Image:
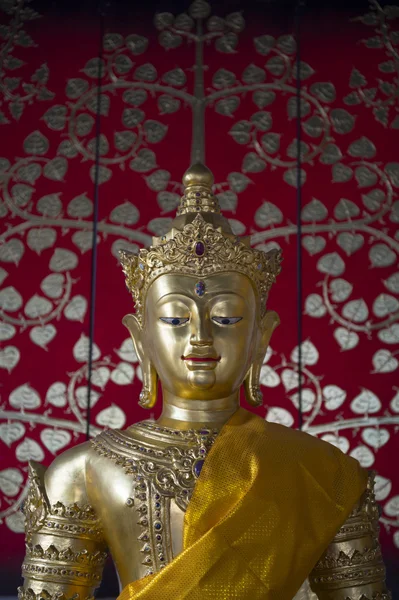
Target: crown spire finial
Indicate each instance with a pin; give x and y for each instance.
(198, 196)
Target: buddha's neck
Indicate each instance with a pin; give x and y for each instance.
(180, 413)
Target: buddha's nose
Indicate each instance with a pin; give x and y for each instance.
(201, 334)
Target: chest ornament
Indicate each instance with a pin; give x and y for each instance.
(164, 464)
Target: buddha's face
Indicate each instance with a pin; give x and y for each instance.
(201, 339)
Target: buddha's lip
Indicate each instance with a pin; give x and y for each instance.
(197, 358)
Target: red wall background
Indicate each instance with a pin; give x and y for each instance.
(350, 241)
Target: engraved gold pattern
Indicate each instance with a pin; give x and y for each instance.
(176, 254)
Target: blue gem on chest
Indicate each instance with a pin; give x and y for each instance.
(197, 467)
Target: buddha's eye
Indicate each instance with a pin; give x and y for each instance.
(226, 320)
(175, 321)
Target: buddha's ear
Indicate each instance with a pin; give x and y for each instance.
(268, 324)
(149, 393)
(136, 332)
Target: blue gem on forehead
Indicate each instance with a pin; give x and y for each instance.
(199, 288)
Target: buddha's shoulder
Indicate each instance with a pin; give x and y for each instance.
(65, 480)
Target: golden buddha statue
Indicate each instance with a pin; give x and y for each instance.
(210, 501)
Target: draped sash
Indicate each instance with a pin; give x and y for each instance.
(267, 503)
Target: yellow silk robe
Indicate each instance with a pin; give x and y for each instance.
(268, 502)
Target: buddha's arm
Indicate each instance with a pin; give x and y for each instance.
(352, 567)
(65, 550)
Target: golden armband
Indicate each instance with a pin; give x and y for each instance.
(65, 550)
(352, 567)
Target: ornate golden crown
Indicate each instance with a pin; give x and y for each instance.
(200, 242)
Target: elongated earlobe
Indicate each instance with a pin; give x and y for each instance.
(252, 389)
(149, 394)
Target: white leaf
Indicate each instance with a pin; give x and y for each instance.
(350, 242)
(268, 214)
(25, 397)
(237, 227)
(346, 209)
(313, 244)
(396, 539)
(382, 487)
(100, 377)
(384, 362)
(340, 290)
(40, 239)
(9, 358)
(310, 354)
(280, 415)
(11, 432)
(346, 339)
(16, 522)
(11, 481)
(391, 508)
(394, 405)
(81, 349)
(112, 417)
(389, 335)
(356, 311)
(308, 398)
(10, 299)
(268, 355)
(290, 379)
(84, 240)
(63, 260)
(12, 251)
(53, 285)
(381, 255)
(314, 306)
(126, 351)
(123, 374)
(392, 283)
(29, 450)
(50, 205)
(334, 397)
(76, 309)
(332, 264)
(81, 397)
(42, 335)
(139, 373)
(57, 394)
(365, 403)
(384, 305)
(7, 331)
(314, 211)
(126, 213)
(80, 207)
(269, 377)
(364, 456)
(338, 441)
(123, 245)
(375, 437)
(37, 307)
(55, 439)
(3, 275)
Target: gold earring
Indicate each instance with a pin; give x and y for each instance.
(149, 394)
(253, 393)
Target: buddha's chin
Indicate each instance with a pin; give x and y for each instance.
(202, 379)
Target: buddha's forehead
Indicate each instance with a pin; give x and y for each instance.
(201, 287)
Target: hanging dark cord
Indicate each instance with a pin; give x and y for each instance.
(298, 15)
(93, 274)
